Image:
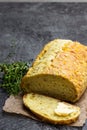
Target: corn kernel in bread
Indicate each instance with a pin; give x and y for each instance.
(60, 70)
(50, 109)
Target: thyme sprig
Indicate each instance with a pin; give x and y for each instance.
(13, 74)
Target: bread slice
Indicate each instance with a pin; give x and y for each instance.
(60, 71)
(50, 109)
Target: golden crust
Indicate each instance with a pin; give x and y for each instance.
(63, 58)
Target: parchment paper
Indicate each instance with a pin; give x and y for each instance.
(15, 105)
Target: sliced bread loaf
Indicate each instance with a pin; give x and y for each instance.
(51, 110)
(60, 70)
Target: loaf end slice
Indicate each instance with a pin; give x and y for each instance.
(50, 109)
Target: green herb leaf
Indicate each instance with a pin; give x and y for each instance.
(13, 74)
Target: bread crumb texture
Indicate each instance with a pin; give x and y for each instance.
(59, 70)
(50, 109)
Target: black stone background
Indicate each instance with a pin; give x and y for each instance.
(24, 29)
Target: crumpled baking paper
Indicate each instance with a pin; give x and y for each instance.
(14, 104)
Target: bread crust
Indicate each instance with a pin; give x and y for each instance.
(63, 58)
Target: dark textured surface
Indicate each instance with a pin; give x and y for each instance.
(24, 29)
